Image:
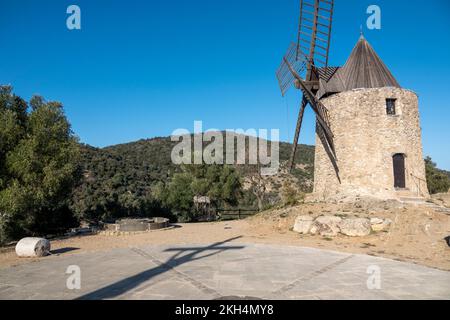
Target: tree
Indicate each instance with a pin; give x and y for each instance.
(39, 167)
(12, 127)
(220, 183)
(437, 180)
(180, 196)
(258, 187)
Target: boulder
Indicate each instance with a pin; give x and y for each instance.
(327, 226)
(303, 224)
(376, 221)
(379, 225)
(355, 227)
(33, 247)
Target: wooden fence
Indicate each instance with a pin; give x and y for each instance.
(236, 213)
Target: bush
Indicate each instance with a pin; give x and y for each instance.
(437, 180)
(290, 196)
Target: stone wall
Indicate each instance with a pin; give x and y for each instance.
(366, 138)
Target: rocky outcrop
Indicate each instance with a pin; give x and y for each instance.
(355, 227)
(442, 199)
(327, 226)
(303, 224)
(379, 225)
(331, 226)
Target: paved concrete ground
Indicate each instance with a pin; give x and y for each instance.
(220, 270)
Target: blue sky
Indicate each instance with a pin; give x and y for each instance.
(140, 69)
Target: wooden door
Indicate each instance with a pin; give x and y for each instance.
(399, 171)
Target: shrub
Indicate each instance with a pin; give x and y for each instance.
(437, 180)
(290, 196)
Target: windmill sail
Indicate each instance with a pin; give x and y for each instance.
(314, 31)
(313, 42)
(304, 59)
(290, 60)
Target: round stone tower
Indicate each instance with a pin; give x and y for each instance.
(376, 129)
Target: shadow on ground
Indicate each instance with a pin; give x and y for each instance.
(181, 256)
(63, 250)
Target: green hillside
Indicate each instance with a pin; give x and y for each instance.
(121, 180)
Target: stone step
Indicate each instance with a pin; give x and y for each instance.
(406, 194)
(423, 201)
(443, 210)
(432, 205)
(418, 200)
(437, 208)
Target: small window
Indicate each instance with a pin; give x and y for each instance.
(390, 107)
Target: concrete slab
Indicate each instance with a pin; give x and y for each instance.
(223, 269)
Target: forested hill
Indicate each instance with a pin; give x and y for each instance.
(121, 179)
(153, 156)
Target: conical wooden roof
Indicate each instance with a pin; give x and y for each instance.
(363, 69)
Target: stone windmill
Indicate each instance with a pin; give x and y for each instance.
(368, 136)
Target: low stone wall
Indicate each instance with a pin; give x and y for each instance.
(132, 226)
(158, 223)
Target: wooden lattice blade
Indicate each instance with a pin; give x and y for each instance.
(314, 32)
(290, 62)
(320, 110)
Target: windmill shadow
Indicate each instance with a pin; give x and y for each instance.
(181, 256)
